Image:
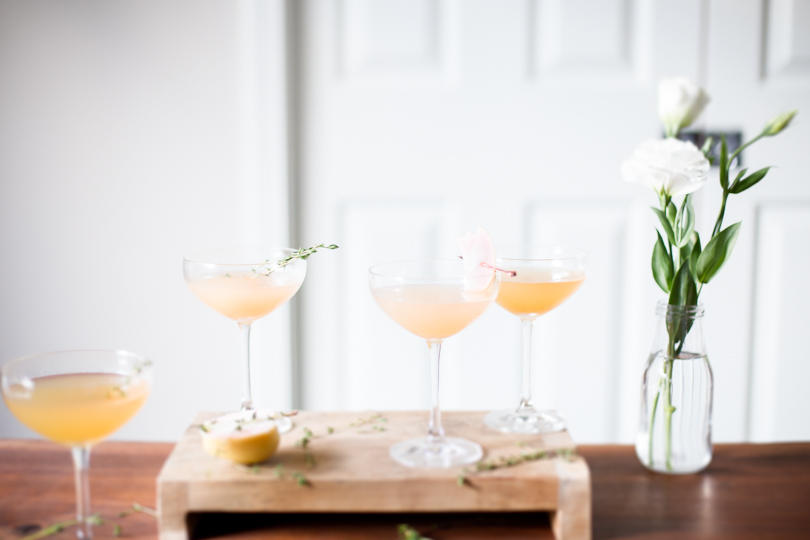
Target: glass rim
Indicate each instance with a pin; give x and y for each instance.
(193, 257)
(576, 253)
(122, 352)
(662, 307)
(372, 269)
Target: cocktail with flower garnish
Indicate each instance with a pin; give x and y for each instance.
(245, 285)
(77, 398)
(434, 299)
(539, 280)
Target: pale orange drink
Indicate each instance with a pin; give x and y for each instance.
(432, 311)
(77, 408)
(531, 293)
(245, 298)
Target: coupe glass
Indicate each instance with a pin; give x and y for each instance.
(77, 398)
(245, 285)
(429, 299)
(545, 277)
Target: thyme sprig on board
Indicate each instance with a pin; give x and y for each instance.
(503, 462)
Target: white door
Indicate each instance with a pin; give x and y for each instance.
(421, 119)
(758, 65)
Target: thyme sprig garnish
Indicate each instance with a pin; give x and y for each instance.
(265, 270)
(503, 462)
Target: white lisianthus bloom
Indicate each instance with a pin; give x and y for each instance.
(669, 166)
(680, 102)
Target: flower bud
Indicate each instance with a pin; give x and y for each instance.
(680, 102)
(779, 123)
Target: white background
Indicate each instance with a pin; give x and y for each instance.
(134, 132)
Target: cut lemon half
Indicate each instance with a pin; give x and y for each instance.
(244, 437)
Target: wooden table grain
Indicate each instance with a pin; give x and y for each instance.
(749, 491)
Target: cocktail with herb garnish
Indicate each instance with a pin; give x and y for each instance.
(544, 277)
(77, 398)
(245, 285)
(434, 299)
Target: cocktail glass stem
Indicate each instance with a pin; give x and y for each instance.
(81, 463)
(435, 431)
(526, 394)
(244, 331)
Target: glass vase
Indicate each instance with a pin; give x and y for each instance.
(675, 422)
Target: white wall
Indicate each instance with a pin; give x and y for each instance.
(132, 133)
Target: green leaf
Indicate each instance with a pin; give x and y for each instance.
(693, 258)
(661, 265)
(723, 163)
(736, 180)
(684, 222)
(672, 211)
(717, 253)
(683, 291)
(665, 224)
(748, 181)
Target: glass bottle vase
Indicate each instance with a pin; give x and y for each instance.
(675, 421)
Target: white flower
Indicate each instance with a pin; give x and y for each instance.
(669, 166)
(680, 102)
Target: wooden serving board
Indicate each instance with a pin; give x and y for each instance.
(353, 473)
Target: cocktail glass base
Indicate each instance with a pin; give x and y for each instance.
(524, 421)
(440, 454)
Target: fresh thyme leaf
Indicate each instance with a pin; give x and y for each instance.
(278, 470)
(116, 530)
(138, 508)
(406, 532)
(461, 479)
(299, 478)
(330, 430)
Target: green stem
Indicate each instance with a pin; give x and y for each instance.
(743, 147)
(668, 410)
(652, 420)
(719, 223)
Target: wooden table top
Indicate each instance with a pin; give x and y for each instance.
(749, 491)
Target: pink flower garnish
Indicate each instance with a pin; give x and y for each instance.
(478, 253)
